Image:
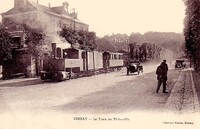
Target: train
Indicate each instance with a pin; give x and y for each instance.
(70, 62)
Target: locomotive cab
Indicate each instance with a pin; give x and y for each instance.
(54, 68)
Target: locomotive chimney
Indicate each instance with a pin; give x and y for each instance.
(54, 50)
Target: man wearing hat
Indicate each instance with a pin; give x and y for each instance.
(162, 76)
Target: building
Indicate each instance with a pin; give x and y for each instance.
(49, 19)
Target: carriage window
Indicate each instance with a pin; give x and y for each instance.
(120, 57)
(59, 52)
(71, 54)
(115, 57)
(107, 56)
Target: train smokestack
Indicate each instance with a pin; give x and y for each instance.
(54, 50)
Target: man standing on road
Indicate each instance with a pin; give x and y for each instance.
(161, 72)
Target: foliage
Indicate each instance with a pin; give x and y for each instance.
(144, 51)
(144, 46)
(69, 34)
(34, 38)
(5, 45)
(167, 40)
(104, 45)
(86, 39)
(192, 31)
(35, 41)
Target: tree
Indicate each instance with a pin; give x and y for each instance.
(5, 45)
(91, 40)
(37, 47)
(86, 39)
(104, 45)
(34, 38)
(192, 31)
(35, 42)
(144, 50)
(132, 52)
(69, 34)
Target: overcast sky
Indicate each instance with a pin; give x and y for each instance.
(123, 16)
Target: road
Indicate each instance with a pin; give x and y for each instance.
(105, 93)
(105, 100)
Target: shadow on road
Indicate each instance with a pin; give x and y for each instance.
(131, 74)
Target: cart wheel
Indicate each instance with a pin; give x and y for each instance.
(127, 71)
(138, 71)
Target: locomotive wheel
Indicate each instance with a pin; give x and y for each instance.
(43, 77)
(179, 65)
(57, 77)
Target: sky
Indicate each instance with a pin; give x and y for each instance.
(106, 17)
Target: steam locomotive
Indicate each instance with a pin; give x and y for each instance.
(67, 63)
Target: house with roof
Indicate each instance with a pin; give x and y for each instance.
(49, 19)
(46, 18)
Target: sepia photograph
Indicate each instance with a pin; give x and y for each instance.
(99, 64)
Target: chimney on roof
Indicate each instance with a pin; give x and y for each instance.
(65, 6)
(49, 5)
(37, 1)
(19, 3)
(74, 14)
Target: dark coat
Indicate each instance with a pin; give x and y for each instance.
(161, 71)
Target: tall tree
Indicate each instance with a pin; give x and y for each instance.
(104, 45)
(192, 31)
(35, 42)
(5, 45)
(86, 39)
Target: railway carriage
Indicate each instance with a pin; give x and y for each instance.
(115, 61)
(70, 62)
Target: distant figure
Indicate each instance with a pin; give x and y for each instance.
(161, 72)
